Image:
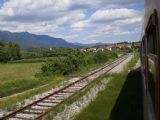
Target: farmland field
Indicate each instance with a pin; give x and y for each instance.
(18, 77)
(19, 81)
(13, 71)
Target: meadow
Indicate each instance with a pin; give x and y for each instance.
(18, 77)
(120, 100)
(106, 99)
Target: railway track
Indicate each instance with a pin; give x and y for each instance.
(38, 109)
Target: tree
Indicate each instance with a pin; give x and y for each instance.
(9, 51)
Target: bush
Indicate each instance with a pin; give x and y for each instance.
(100, 57)
(74, 61)
(9, 51)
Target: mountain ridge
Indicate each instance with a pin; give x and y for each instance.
(30, 40)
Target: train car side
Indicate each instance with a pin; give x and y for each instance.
(150, 49)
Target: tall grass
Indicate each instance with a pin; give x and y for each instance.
(18, 71)
(101, 108)
(34, 60)
(20, 78)
(18, 82)
(75, 97)
(15, 78)
(9, 103)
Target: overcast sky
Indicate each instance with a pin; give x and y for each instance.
(83, 21)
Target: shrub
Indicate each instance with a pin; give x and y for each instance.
(74, 61)
(9, 51)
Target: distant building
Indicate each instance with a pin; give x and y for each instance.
(123, 45)
(109, 47)
(100, 49)
(88, 49)
(83, 50)
(136, 44)
(92, 49)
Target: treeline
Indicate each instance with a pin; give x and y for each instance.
(74, 62)
(45, 52)
(9, 51)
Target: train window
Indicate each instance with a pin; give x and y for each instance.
(151, 39)
(143, 51)
(151, 34)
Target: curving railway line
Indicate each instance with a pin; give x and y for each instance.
(38, 109)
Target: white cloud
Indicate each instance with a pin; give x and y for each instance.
(66, 17)
(38, 28)
(34, 10)
(113, 14)
(110, 22)
(70, 18)
(38, 16)
(123, 2)
(109, 30)
(135, 20)
(80, 26)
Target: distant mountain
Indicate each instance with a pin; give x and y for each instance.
(90, 45)
(28, 40)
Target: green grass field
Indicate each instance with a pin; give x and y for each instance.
(16, 71)
(120, 100)
(18, 81)
(18, 77)
(101, 107)
(34, 60)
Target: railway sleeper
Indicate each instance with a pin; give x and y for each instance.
(35, 109)
(40, 107)
(45, 105)
(72, 89)
(80, 85)
(65, 91)
(76, 88)
(52, 101)
(56, 98)
(64, 94)
(25, 116)
(17, 118)
(32, 112)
